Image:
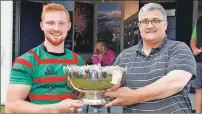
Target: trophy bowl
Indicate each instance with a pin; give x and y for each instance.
(93, 80)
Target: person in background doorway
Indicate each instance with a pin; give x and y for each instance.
(38, 74)
(197, 52)
(102, 55)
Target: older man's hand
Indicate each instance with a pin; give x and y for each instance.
(123, 96)
(114, 88)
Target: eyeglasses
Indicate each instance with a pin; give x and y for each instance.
(154, 22)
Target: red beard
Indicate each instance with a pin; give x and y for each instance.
(55, 41)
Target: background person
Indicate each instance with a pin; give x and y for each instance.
(197, 52)
(102, 55)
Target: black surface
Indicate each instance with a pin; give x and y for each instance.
(31, 34)
(199, 32)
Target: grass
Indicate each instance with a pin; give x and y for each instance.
(2, 109)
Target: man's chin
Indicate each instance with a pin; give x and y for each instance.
(55, 40)
(56, 37)
(56, 43)
(149, 39)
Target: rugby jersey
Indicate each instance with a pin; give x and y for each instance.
(43, 71)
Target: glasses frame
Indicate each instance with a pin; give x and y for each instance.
(150, 21)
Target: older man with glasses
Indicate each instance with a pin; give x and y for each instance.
(159, 70)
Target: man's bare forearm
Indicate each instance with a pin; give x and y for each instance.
(193, 43)
(160, 89)
(153, 92)
(20, 106)
(163, 95)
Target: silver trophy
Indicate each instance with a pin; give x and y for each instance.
(92, 80)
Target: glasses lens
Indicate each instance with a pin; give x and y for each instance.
(155, 21)
(145, 21)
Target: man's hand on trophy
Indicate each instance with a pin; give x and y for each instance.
(68, 106)
(123, 96)
(114, 88)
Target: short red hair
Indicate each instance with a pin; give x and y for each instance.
(53, 7)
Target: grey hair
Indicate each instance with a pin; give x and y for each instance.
(153, 6)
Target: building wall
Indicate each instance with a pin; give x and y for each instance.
(6, 44)
(6, 37)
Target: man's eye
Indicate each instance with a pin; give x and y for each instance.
(145, 21)
(50, 23)
(155, 21)
(61, 23)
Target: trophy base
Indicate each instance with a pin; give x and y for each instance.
(93, 101)
(93, 97)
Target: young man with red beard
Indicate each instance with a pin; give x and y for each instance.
(38, 74)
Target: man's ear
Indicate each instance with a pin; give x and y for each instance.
(69, 26)
(166, 25)
(138, 24)
(41, 25)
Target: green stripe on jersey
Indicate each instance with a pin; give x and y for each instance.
(46, 78)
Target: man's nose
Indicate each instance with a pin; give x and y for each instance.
(56, 27)
(150, 25)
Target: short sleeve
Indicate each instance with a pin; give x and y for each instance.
(181, 58)
(194, 33)
(117, 59)
(118, 62)
(80, 61)
(21, 72)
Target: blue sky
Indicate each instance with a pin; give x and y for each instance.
(68, 4)
(109, 6)
(109, 15)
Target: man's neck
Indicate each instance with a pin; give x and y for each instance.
(147, 46)
(55, 49)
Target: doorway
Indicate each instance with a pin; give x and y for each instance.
(31, 34)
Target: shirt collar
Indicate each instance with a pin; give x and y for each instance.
(52, 53)
(140, 45)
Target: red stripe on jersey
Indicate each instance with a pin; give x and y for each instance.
(51, 97)
(50, 79)
(55, 61)
(60, 61)
(24, 62)
(75, 57)
(35, 55)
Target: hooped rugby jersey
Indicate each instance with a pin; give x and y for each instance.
(43, 71)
